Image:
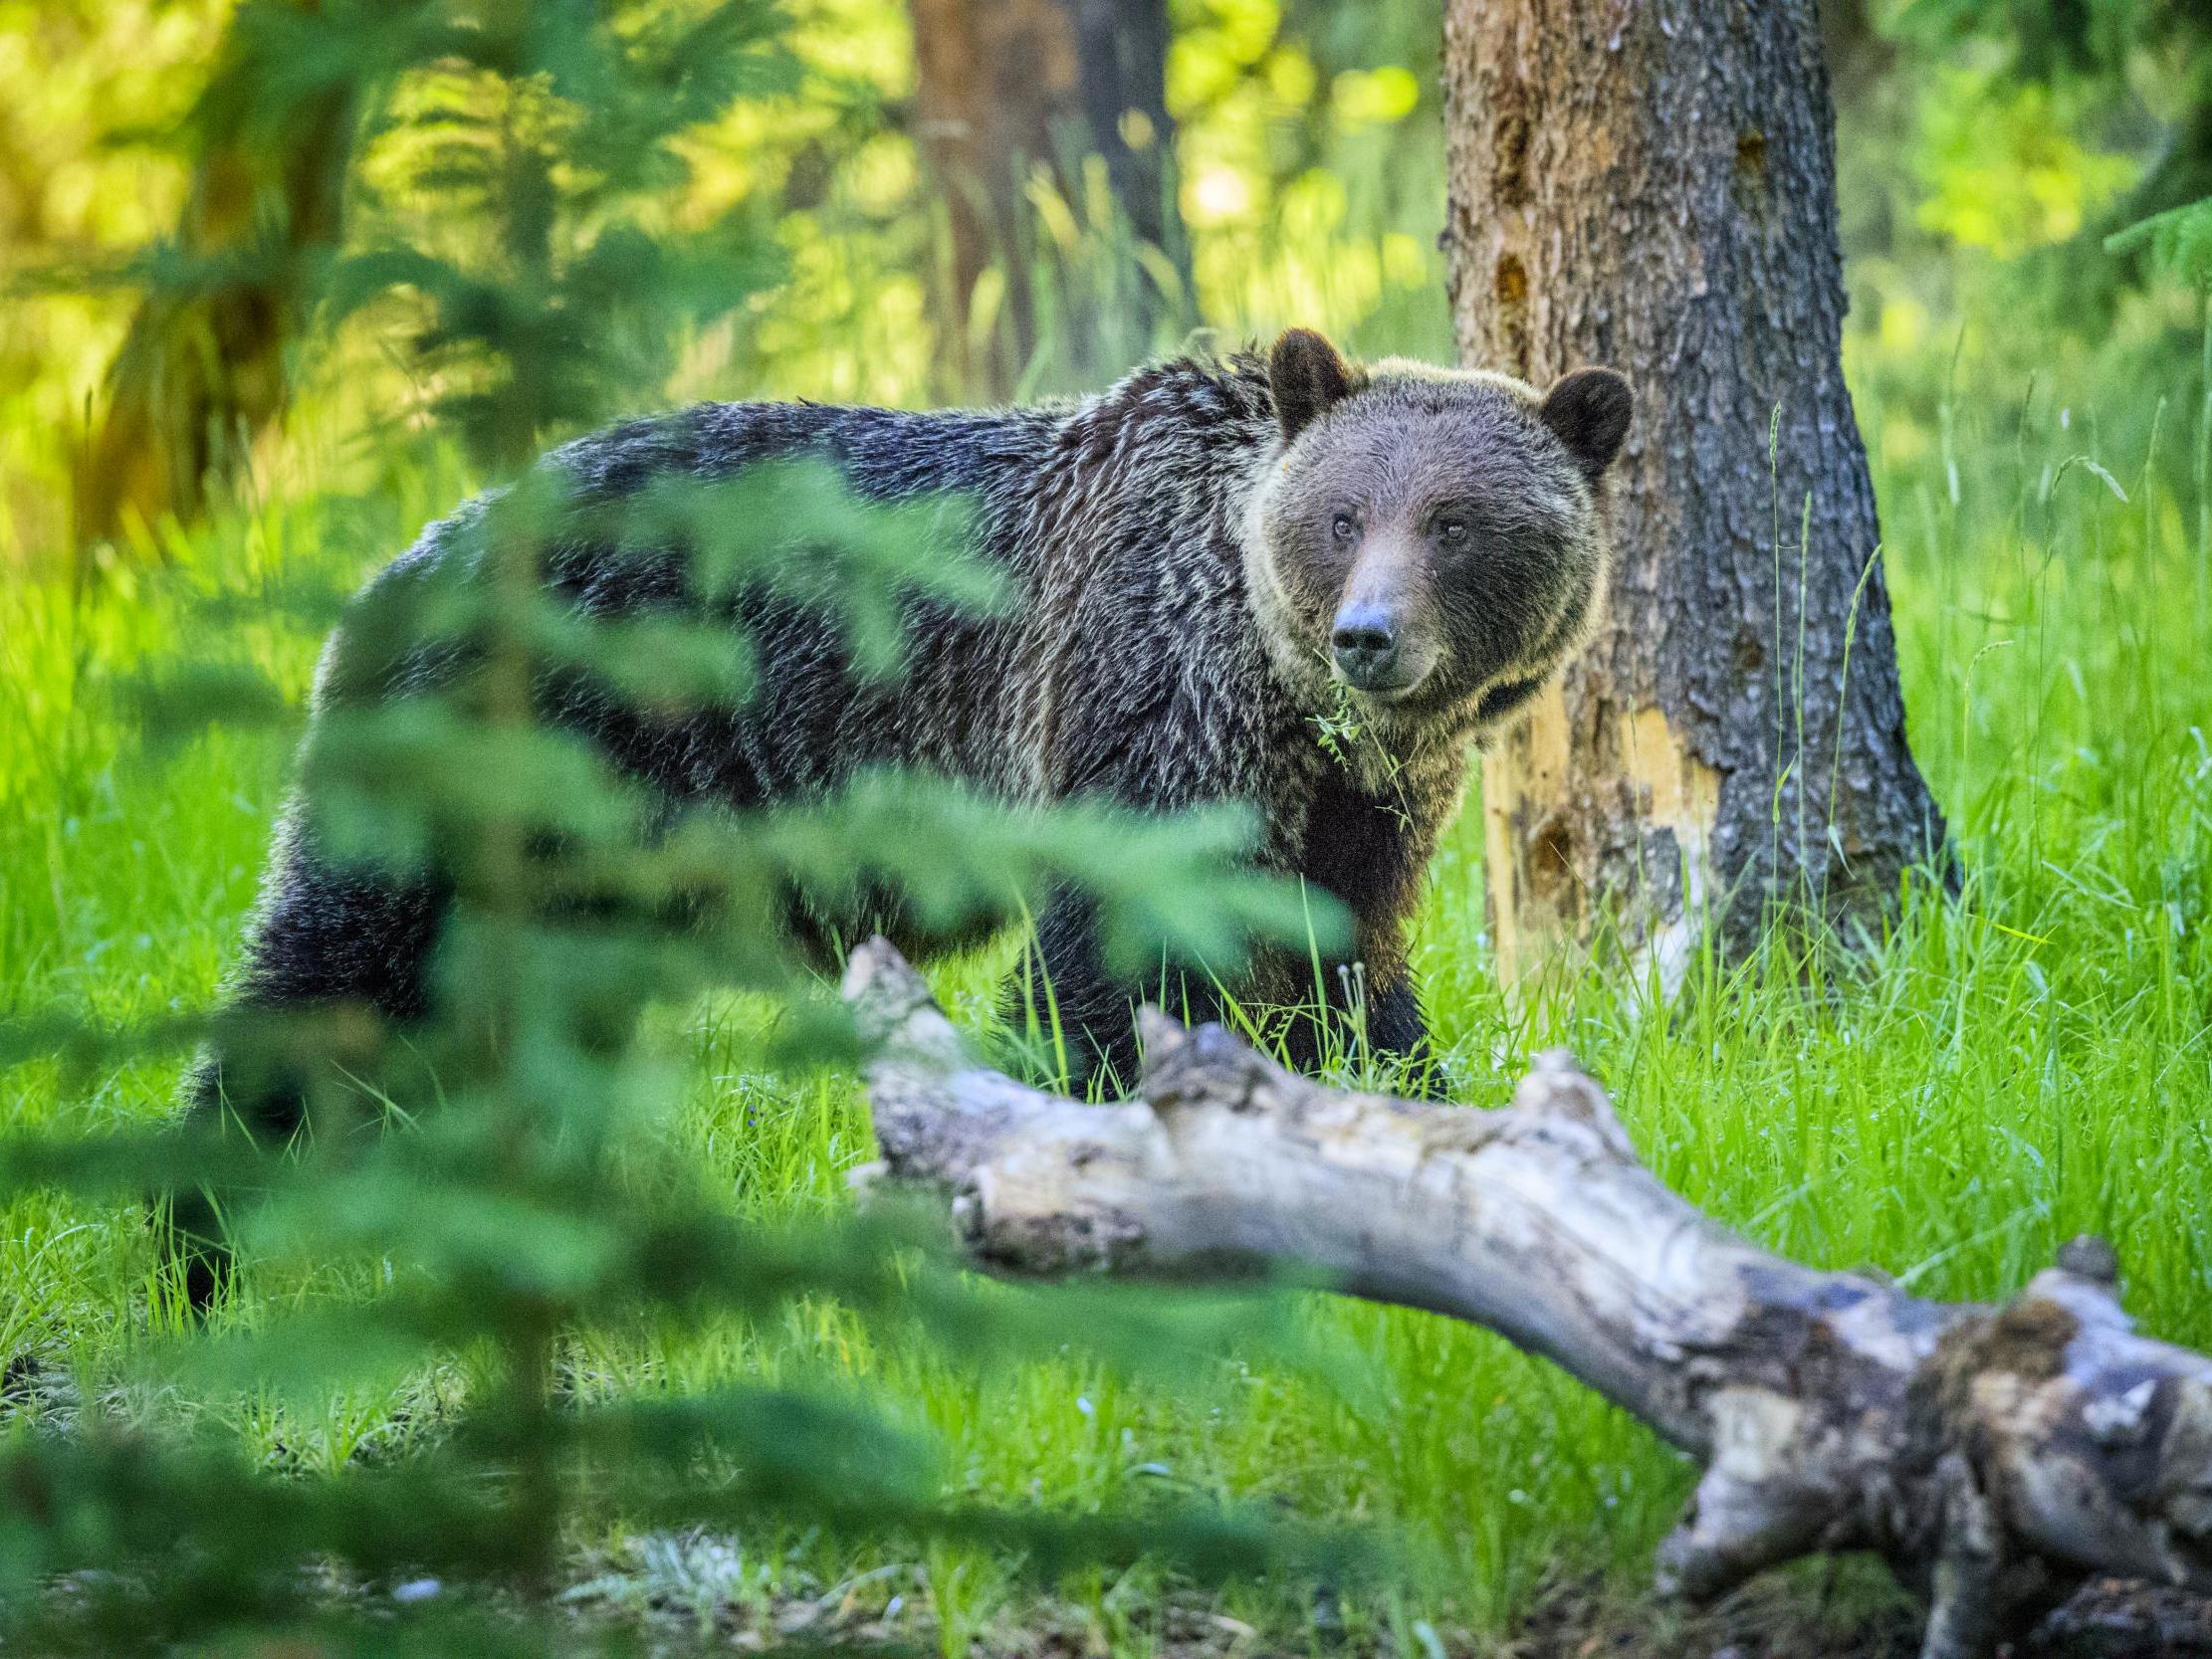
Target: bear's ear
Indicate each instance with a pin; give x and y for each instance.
(1589, 411)
(1306, 376)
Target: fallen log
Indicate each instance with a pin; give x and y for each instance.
(1994, 1455)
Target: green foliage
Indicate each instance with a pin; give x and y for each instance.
(532, 150)
(2052, 37)
(2004, 164)
(499, 1173)
(2180, 238)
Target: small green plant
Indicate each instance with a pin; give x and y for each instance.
(1338, 729)
(2181, 239)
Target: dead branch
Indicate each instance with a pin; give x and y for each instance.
(1994, 1455)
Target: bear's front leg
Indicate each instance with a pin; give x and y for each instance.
(1084, 1017)
(1081, 1021)
(1361, 1019)
(1397, 1030)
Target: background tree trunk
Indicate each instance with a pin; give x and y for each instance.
(1122, 56)
(1003, 88)
(1654, 187)
(201, 369)
(1854, 49)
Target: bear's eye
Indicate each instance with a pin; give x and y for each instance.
(1452, 532)
(1345, 527)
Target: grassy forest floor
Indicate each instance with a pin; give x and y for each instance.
(2006, 1068)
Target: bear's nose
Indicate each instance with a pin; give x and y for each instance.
(1365, 638)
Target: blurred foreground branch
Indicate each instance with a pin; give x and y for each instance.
(1994, 1456)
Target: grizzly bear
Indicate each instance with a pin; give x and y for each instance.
(1224, 570)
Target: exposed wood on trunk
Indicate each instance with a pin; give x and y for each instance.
(1654, 187)
(1993, 1455)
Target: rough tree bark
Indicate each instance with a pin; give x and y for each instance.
(1652, 186)
(1002, 87)
(1994, 1455)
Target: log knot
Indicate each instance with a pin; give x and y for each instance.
(892, 1011)
(2025, 1338)
(1102, 1240)
(1557, 1087)
(1209, 1064)
(2088, 1256)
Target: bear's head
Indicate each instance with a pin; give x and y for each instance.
(1432, 540)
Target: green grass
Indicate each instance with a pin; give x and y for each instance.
(2003, 1070)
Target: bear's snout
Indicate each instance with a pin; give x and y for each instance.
(1384, 649)
(1365, 643)
(1384, 638)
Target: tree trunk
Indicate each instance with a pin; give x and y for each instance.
(1005, 88)
(1994, 1456)
(1652, 186)
(201, 370)
(1122, 51)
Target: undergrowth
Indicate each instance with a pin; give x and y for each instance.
(2005, 1066)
